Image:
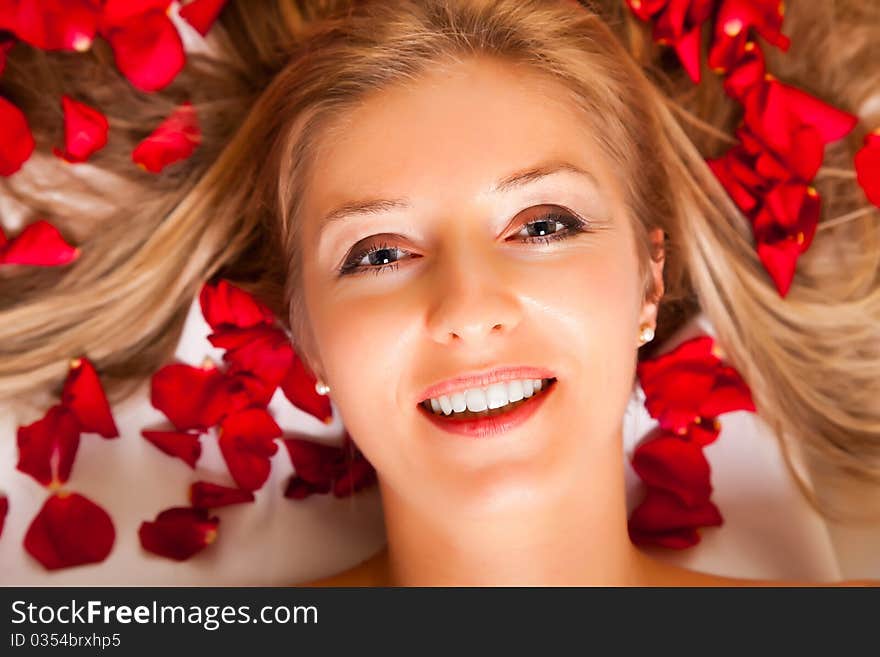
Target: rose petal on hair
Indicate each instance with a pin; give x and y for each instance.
(201, 14)
(5, 47)
(247, 442)
(180, 444)
(196, 398)
(85, 398)
(298, 386)
(85, 131)
(47, 447)
(205, 495)
(175, 139)
(867, 163)
(69, 530)
(4, 509)
(179, 532)
(678, 466)
(147, 49)
(52, 24)
(661, 519)
(16, 141)
(225, 304)
(39, 244)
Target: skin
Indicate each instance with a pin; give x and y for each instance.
(542, 504)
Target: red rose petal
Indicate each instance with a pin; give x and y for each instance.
(5, 47)
(225, 304)
(247, 442)
(47, 448)
(85, 398)
(117, 13)
(263, 351)
(85, 131)
(321, 468)
(16, 141)
(52, 24)
(175, 139)
(867, 163)
(298, 488)
(298, 386)
(661, 519)
(69, 530)
(39, 244)
(147, 49)
(675, 465)
(201, 14)
(182, 445)
(179, 532)
(4, 508)
(196, 397)
(205, 495)
(358, 474)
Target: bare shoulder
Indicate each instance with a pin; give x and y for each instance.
(371, 572)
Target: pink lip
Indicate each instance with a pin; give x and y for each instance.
(490, 426)
(482, 379)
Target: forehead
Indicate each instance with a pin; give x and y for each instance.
(451, 133)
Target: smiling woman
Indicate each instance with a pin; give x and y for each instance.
(472, 215)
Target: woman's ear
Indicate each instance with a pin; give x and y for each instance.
(651, 303)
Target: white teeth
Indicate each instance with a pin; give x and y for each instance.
(491, 397)
(476, 400)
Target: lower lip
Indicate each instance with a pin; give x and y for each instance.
(491, 425)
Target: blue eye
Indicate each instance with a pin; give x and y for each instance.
(543, 229)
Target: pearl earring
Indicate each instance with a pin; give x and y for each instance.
(321, 388)
(646, 334)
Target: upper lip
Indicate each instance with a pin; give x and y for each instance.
(480, 379)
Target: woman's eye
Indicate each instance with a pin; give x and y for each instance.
(546, 228)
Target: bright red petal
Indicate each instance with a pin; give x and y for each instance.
(185, 446)
(225, 304)
(175, 139)
(780, 261)
(661, 519)
(262, 351)
(299, 387)
(85, 131)
(179, 532)
(201, 14)
(39, 244)
(47, 448)
(70, 530)
(867, 162)
(4, 508)
(117, 13)
(148, 50)
(16, 141)
(195, 397)
(675, 465)
(247, 442)
(205, 495)
(85, 398)
(52, 24)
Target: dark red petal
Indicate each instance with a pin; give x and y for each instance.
(85, 131)
(205, 495)
(226, 304)
(195, 397)
(185, 446)
(175, 139)
(148, 50)
(85, 398)
(16, 141)
(299, 387)
(69, 530)
(201, 14)
(359, 474)
(676, 465)
(867, 163)
(47, 448)
(661, 519)
(315, 462)
(5, 47)
(247, 442)
(179, 532)
(4, 508)
(39, 244)
(52, 24)
(298, 488)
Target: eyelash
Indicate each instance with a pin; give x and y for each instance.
(574, 226)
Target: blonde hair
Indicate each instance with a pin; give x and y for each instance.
(285, 70)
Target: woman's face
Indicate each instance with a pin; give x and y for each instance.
(459, 282)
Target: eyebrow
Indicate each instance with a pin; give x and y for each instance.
(506, 184)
